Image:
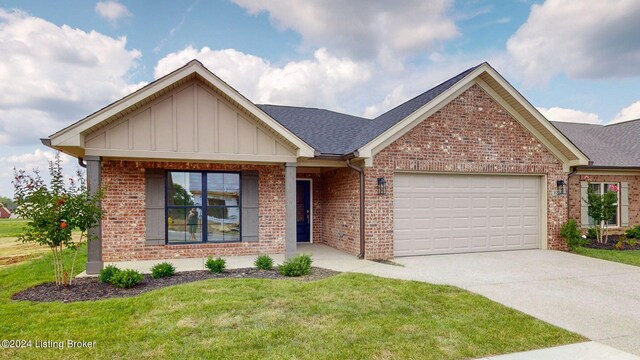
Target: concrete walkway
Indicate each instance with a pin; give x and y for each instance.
(595, 298)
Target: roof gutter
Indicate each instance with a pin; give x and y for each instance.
(47, 142)
(604, 167)
(360, 171)
(336, 157)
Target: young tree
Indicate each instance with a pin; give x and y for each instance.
(602, 207)
(54, 211)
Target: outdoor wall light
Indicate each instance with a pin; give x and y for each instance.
(382, 186)
(561, 187)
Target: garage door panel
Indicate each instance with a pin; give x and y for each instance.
(439, 214)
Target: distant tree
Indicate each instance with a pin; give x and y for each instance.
(54, 211)
(7, 202)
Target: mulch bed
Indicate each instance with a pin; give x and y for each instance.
(613, 239)
(90, 289)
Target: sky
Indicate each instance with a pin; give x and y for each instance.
(574, 60)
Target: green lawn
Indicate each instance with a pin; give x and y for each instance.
(346, 316)
(631, 257)
(11, 227)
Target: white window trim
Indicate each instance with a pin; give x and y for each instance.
(602, 187)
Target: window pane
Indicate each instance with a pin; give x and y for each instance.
(232, 224)
(223, 189)
(595, 188)
(223, 224)
(614, 219)
(184, 225)
(184, 188)
(215, 224)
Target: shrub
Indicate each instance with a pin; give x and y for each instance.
(55, 211)
(107, 273)
(216, 265)
(592, 233)
(126, 278)
(633, 233)
(264, 262)
(163, 269)
(296, 266)
(571, 233)
(624, 241)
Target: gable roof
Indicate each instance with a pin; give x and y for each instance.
(317, 131)
(70, 139)
(384, 121)
(335, 133)
(614, 145)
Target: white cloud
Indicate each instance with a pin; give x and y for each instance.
(582, 39)
(569, 115)
(112, 10)
(397, 96)
(53, 75)
(323, 80)
(37, 159)
(631, 112)
(363, 28)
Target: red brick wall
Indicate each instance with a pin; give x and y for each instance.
(634, 197)
(123, 226)
(471, 134)
(340, 210)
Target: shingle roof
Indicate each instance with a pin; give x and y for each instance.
(606, 145)
(331, 132)
(326, 131)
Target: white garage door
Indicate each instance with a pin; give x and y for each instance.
(443, 214)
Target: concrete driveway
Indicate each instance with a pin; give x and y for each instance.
(595, 298)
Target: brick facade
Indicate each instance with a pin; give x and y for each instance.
(123, 225)
(634, 197)
(471, 134)
(341, 212)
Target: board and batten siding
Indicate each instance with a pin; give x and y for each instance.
(191, 122)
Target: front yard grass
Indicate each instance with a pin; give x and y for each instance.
(12, 227)
(345, 316)
(630, 257)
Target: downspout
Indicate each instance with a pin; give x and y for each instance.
(361, 172)
(569, 192)
(82, 163)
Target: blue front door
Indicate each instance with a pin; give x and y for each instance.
(303, 210)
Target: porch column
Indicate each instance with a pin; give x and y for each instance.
(94, 246)
(290, 209)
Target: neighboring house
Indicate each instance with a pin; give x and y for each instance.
(192, 168)
(4, 212)
(614, 151)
